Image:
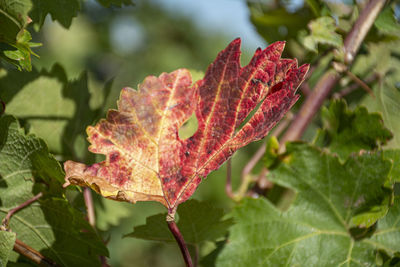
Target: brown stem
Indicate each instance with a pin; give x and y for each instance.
(360, 83)
(6, 220)
(181, 242)
(35, 256)
(323, 87)
(349, 89)
(91, 217)
(87, 195)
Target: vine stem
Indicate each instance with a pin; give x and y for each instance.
(87, 195)
(6, 220)
(326, 83)
(35, 256)
(179, 239)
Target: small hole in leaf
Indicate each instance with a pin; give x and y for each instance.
(189, 128)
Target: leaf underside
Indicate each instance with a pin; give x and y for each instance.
(145, 158)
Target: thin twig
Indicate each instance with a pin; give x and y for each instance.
(349, 89)
(181, 242)
(360, 83)
(91, 217)
(87, 195)
(35, 256)
(6, 220)
(326, 83)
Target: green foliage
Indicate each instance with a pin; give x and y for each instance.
(387, 23)
(345, 131)
(49, 225)
(62, 11)
(15, 45)
(382, 61)
(206, 224)
(118, 3)
(54, 107)
(6, 245)
(319, 222)
(323, 31)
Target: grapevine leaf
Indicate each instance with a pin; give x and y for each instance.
(345, 131)
(55, 108)
(382, 60)
(145, 158)
(206, 224)
(394, 156)
(315, 231)
(7, 240)
(387, 23)
(13, 18)
(118, 3)
(62, 11)
(49, 225)
(322, 32)
(15, 45)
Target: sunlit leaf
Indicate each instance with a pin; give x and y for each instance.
(146, 159)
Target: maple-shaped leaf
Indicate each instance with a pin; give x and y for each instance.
(146, 159)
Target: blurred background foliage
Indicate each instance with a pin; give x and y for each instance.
(83, 63)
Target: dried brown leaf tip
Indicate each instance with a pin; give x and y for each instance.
(145, 158)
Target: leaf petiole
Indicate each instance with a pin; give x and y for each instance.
(179, 239)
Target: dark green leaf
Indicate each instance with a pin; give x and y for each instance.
(62, 11)
(7, 240)
(315, 231)
(198, 222)
(49, 225)
(118, 3)
(345, 131)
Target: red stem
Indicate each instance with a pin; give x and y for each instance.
(181, 242)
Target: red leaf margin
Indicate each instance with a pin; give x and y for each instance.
(222, 102)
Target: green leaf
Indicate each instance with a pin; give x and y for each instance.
(278, 24)
(345, 131)
(198, 222)
(322, 32)
(55, 108)
(118, 3)
(387, 23)
(13, 17)
(271, 152)
(49, 225)
(62, 11)
(394, 156)
(21, 52)
(382, 60)
(7, 240)
(315, 231)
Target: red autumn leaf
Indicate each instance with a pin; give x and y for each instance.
(145, 158)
